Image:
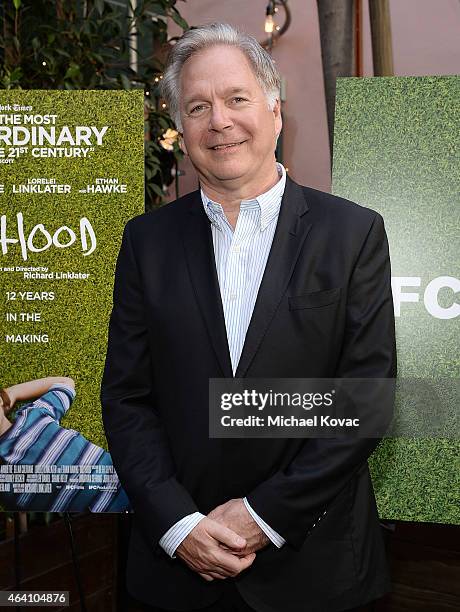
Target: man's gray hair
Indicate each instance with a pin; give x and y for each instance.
(203, 37)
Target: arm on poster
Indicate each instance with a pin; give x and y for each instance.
(32, 389)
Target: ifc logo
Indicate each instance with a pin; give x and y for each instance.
(430, 295)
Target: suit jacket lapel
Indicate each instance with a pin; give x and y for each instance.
(199, 250)
(291, 231)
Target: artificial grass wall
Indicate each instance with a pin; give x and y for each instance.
(396, 146)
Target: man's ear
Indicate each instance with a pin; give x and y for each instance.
(277, 116)
(182, 144)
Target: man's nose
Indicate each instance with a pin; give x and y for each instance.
(220, 118)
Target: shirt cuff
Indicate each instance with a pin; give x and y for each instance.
(271, 534)
(178, 532)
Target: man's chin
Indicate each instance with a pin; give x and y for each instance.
(230, 172)
(226, 171)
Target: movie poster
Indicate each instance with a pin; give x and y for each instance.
(71, 176)
(396, 151)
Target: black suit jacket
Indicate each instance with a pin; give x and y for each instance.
(167, 337)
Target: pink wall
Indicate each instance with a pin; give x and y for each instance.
(426, 40)
(426, 37)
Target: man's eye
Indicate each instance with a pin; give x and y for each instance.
(197, 109)
(239, 99)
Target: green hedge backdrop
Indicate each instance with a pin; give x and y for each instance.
(396, 149)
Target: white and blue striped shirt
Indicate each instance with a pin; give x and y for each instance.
(37, 438)
(241, 256)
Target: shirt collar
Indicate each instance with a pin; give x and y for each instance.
(267, 203)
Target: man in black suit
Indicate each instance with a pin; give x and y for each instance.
(253, 276)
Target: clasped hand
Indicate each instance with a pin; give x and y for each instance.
(224, 543)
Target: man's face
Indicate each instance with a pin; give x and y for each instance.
(222, 103)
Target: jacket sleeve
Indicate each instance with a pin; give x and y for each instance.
(295, 498)
(136, 438)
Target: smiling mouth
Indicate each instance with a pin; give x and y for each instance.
(226, 146)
